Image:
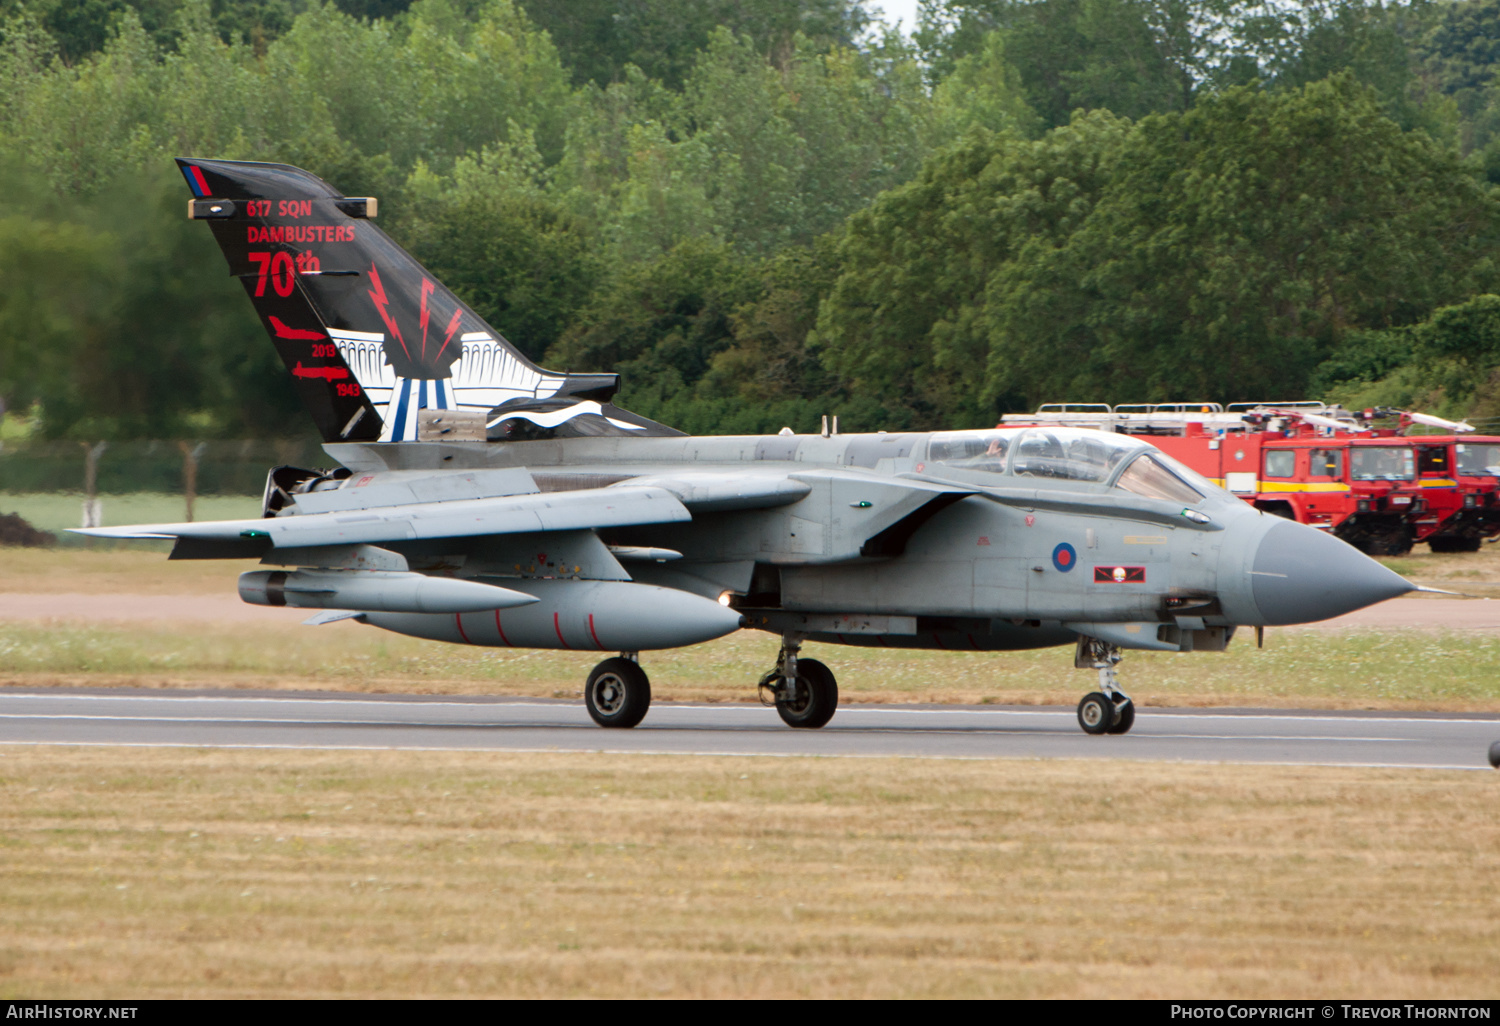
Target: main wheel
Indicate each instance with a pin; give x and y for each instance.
(1096, 713)
(1124, 718)
(814, 699)
(618, 693)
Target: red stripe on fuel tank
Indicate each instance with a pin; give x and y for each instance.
(501, 630)
(458, 618)
(593, 634)
(557, 626)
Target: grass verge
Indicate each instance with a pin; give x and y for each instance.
(58, 511)
(1406, 669)
(182, 873)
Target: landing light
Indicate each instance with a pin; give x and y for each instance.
(725, 597)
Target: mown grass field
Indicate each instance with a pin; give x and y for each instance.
(181, 873)
(1399, 669)
(58, 511)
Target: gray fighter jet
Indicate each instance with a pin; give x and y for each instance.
(481, 500)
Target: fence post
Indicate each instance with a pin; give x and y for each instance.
(190, 456)
(93, 510)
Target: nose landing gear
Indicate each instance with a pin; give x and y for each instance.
(1108, 710)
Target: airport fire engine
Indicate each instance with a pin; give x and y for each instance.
(1356, 475)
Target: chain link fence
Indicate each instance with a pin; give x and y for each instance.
(52, 487)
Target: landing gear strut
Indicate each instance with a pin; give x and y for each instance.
(1108, 710)
(618, 692)
(803, 690)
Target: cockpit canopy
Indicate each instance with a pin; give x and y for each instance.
(1066, 454)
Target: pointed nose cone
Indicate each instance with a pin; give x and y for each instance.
(1302, 575)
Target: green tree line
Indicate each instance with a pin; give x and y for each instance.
(759, 211)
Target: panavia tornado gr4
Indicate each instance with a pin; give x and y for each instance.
(481, 500)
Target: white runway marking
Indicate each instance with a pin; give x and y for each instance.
(414, 723)
(417, 702)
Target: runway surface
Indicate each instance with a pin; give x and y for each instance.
(329, 721)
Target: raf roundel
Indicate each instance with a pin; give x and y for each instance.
(1064, 557)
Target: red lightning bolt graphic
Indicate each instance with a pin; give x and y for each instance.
(426, 291)
(378, 295)
(452, 327)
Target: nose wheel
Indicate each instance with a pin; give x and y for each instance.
(618, 693)
(1108, 710)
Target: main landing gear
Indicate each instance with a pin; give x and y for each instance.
(1108, 710)
(618, 692)
(803, 690)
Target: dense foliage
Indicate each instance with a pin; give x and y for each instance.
(759, 211)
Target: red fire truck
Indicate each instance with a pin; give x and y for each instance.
(1462, 473)
(1354, 475)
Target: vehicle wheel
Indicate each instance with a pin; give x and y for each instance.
(1383, 545)
(1453, 544)
(618, 693)
(815, 699)
(1096, 713)
(1124, 718)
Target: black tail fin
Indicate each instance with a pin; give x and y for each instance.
(369, 336)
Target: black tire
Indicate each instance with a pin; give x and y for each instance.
(1096, 713)
(618, 693)
(1382, 545)
(1124, 718)
(1453, 544)
(816, 698)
